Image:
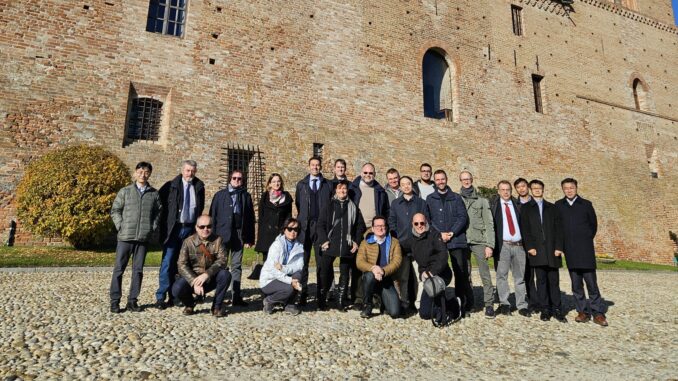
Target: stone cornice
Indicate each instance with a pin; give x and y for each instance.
(557, 8)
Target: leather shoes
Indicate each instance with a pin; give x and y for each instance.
(160, 304)
(560, 316)
(238, 302)
(545, 316)
(219, 312)
(504, 310)
(133, 306)
(115, 307)
(366, 313)
(525, 312)
(600, 320)
(188, 311)
(582, 318)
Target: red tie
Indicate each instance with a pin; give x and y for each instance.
(512, 229)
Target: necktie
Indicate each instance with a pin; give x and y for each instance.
(186, 211)
(509, 219)
(315, 185)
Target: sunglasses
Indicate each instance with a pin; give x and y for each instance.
(236, 178)
(294, 229)
(368, 173)
(419, 223)
(201, 227)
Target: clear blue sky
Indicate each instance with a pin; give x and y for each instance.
(675, 10)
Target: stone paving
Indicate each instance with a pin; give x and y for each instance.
(57, 326)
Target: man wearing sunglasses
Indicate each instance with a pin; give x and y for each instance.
(232, 215)
(202, 266)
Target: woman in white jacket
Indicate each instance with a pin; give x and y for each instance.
(279, 279)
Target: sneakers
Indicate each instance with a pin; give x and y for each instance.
(133, 306)
(489, 312)
(115, 307)
(366, 313)
(525, 312)
(292, 310)
(268, 307)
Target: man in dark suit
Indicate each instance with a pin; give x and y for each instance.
(523, 189)
(509, 253)
(183, 200)
(579, 228)
(542, 230)
(232, 215)
(313, 193)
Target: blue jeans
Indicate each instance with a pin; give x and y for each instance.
(170, 255)
(389, 295)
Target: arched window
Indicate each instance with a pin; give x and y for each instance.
(437, 82)
(639, 95)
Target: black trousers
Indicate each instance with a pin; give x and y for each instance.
(462, 286)
(310, 243)
(530, 287)
(125, 250)
(327, 271)
(548, 288)
(578, 278)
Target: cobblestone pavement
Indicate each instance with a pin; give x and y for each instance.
(57, 325)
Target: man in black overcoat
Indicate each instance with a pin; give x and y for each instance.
(579, 228)
(542, 231)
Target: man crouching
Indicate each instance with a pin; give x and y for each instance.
(202, 266)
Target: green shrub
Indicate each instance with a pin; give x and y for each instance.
(488, 193)
(69, 192)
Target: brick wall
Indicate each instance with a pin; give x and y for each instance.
(348, 75)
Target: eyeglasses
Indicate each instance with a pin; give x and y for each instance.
(292, 229)
(201, 227)
(236, 178)
(419, 223)
(465, 179)
(368, 173)
(379, 226)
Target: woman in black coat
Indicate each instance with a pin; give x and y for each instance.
(340, 231)
(274, 208)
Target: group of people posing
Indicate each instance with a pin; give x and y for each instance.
(387, 240)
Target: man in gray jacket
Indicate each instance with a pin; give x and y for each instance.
(479, 235)
(136, 214)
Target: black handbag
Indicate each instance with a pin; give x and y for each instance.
(434, 285)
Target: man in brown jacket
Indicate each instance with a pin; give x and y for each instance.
(202, 266)
(379, 258)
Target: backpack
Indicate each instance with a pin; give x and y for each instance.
(443, 311)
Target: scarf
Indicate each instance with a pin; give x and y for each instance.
(276, 197)
(351, 214)
(235, 194)
(467, 192)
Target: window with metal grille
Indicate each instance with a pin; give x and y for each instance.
(318, 150)
(536, 87)
(249, 160)
(166, 17)
(516, 15)
(144, 121)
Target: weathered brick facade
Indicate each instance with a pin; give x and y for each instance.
(286, 74)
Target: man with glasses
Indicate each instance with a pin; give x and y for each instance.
(232, 215)
(135, 214)
(449, 217)
(370, 197)
(479, 235)
(183, 200)
(379, 258)
(425, 186)
(202, 266)
(313, 193)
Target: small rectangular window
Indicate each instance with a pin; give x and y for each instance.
(166, 17)
(318, 150)
(516, 15)
(536, 86)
